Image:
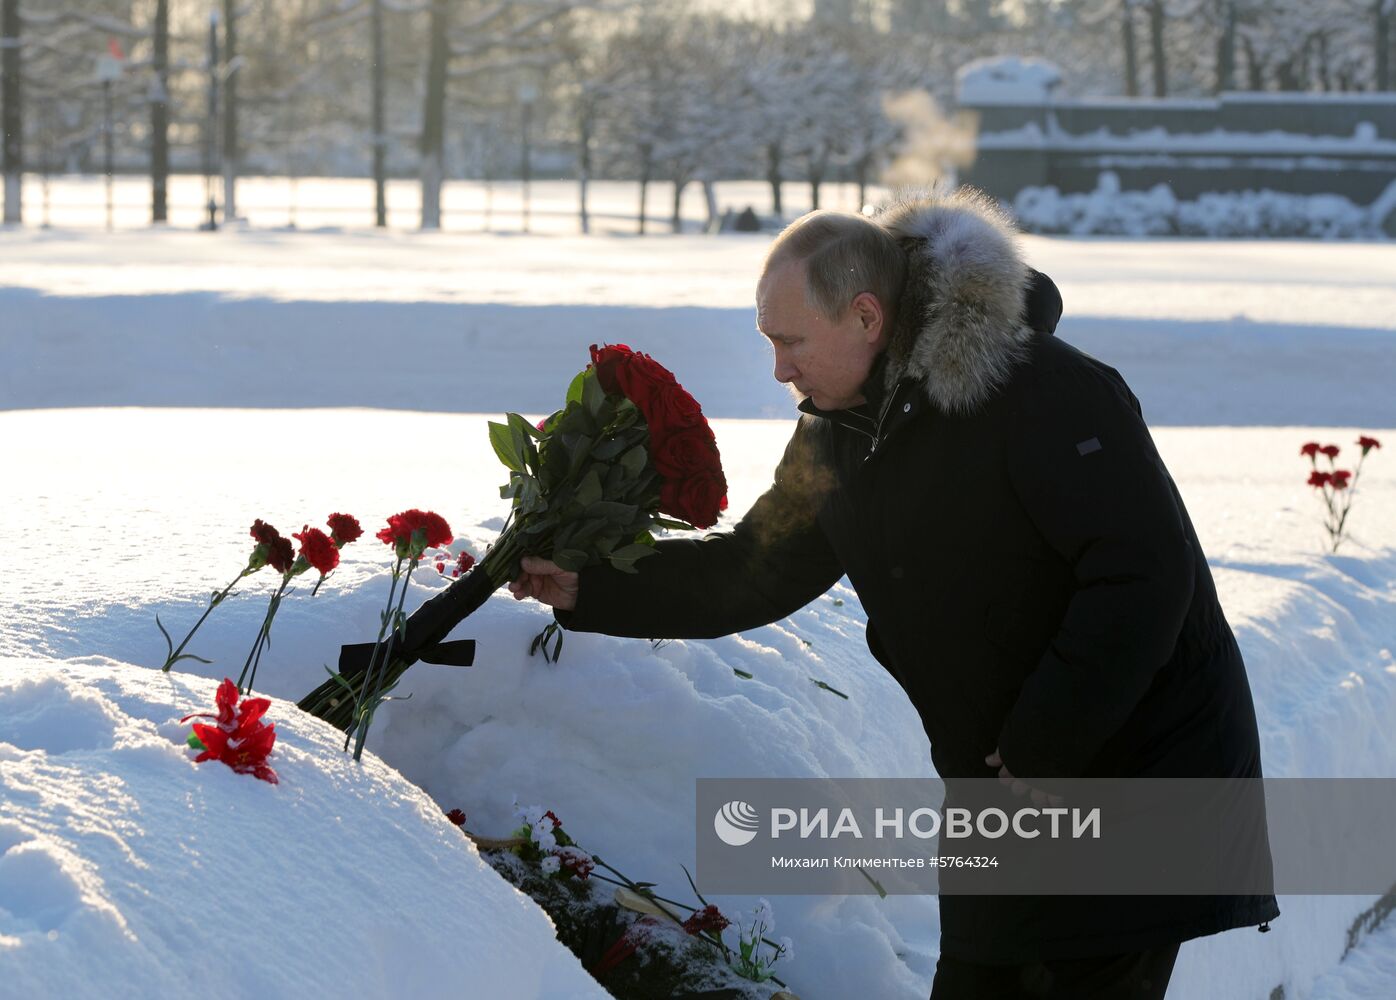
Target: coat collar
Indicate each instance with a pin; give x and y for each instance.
(959, 326)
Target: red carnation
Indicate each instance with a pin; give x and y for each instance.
(242, 743)
(264, 533)
(402, 529)
(318, 549)
(441, 567)
(344, 528)
(281, 555)
(1317, 478)
(1310, 449)
(457, 817)
(1331, 450)
(709, 918)
(1367, 443)
(463, 563)
(1340, 479)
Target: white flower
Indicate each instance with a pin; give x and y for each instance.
(543, 834)
(550, 864)
(764, 915)
(787, 948)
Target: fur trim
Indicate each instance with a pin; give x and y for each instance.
(959, 324)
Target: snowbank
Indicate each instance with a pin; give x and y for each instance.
(1157, 212)
(126, 870)
(1006, 80)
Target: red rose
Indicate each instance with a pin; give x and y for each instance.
(344, 528)
(685, 453)
(318, 549)
(672, 408)
(1367, 443)
(1317, 478)
(607, 361)
(1340, 479)
(281, 555)
(1310, 449)
(1331, 450)
(641, 379)
(695, 499)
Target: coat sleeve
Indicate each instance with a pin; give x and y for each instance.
(1088, 475)
(773, 562)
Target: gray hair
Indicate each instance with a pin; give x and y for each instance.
(844, 256)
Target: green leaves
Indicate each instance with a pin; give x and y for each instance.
(506, 446)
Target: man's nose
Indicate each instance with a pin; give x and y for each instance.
(785, 371)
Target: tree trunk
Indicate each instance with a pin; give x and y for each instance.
(230, 112)
(773, 175)
(1131, 52)
(679, 184)
(380, 172)
(11, 117)
(1382, 13)
(584, 166)
(1156, 24)
(433, 167)
(645, 168)
(1226, 48)
(710, 201)
(1255, 72)
(160, 116)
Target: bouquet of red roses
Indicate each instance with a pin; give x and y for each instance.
(588, 485)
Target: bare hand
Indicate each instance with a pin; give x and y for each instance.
(1017, 785)
(544, 580)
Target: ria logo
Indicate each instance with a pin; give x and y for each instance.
(736, 823)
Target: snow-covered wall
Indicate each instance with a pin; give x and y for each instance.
(1300, 145)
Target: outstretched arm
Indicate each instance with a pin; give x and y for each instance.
(773, 562)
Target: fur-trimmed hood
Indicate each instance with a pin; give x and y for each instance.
(959, 323)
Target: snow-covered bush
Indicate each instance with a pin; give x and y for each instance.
(1110, 211)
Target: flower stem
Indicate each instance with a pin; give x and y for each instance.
(362, 724)
(263, 634)
(373, 659)
(217, 600)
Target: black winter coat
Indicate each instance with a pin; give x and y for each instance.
(1030, 575)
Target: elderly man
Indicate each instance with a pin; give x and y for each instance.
(1029, 572)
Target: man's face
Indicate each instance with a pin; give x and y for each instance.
(826, 359)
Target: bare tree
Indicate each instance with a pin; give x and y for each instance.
(11, 117)
(160, 115)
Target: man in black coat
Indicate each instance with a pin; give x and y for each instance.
(1029, 573)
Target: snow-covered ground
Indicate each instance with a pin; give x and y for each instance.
(162, 390)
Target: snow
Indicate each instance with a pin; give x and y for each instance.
(1158, 212)
(128, 870)
(1006, 80)
(1272, 142)
(164, 389)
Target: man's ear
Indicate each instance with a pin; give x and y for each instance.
(870, 315)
